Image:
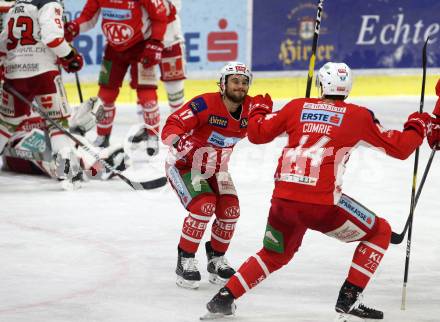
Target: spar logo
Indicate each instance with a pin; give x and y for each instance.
(117, 33)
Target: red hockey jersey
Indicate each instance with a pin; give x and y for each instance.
(205, 122)
(321, 136)
(125, 23)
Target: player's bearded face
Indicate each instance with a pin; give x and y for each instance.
(236, 88)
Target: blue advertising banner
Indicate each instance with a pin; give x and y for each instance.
(215, 32)
(90, 44)
(364, 34)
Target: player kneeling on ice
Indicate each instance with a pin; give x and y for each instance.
(32, 48)
(201, 135)
(29, 150)
(322, 132)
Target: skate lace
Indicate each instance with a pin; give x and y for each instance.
(189, 264)
(221, 262)
(359, 305)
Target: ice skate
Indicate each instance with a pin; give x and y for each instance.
(350, 308)
(188, 276)
(218, 266)
(140, 136)
(222, 304)
(102, 141)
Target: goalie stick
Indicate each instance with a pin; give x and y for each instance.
(314, 45)
(146, 185)
(413, 189)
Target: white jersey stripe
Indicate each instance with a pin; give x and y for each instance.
(375, 247)
(242, 281)
(262, 265)
(201, 218)
(228, 220)
(225, 241)
(362, 270)
(197, 241)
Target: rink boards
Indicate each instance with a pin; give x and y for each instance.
(282, 88)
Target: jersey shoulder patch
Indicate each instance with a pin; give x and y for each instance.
(198, 105)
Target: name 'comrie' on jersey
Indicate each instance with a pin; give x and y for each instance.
(321, 136)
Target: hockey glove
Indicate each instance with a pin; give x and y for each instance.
(185, 148)
(73, 62)
(85, 116)
(260, 105)
(71, 30)
(152, 53)
(433, 136)
(420, 122)
(436, 111)
(173, 12)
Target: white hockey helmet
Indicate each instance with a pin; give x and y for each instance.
(233, 68)
(334, 79)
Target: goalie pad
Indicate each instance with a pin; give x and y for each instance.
(85, 116)
(33, 147)
(54, 104)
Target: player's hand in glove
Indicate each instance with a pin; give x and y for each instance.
(420, 122)
(436, 111)
(152, 53)
(433, 135)
(73, 62)
(260, 105)
(185, 148)
(71, 30)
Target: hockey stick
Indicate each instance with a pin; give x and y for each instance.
(314, 45)
(398, 238)
(413, 189)
(146, 185)
(78, 84)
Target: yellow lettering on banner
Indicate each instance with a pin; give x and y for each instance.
(291, 52)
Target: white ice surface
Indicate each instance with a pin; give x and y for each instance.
(105, 253)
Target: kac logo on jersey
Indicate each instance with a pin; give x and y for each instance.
(116, 14)
(198, 105)
(244, 123)
(222, 141)
(320, 116)
(218, 121)
(117, 33)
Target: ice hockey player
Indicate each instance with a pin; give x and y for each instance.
(322, 133)
(134, 31)
(201, 135)
(29, 151)
(32, 45)
(172, 65)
